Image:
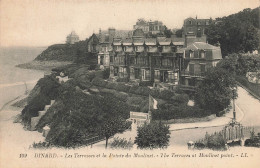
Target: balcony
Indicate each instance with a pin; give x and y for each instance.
(166, 67)
(193, 74)
(187, 87)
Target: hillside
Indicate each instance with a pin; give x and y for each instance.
(236, 33)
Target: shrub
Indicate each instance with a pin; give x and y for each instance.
(122, 143)
(146, 83)
(122, 87)
(106, 73)
(242, 80)
(121, 96)
(169, 111)
(199, 145)
(134, 100)
(133, 89)
(41, 145)
(155, 93)
(111, 85)
(92, 67)
(216, 141)
(166, 94)
(91, 76)
(141, 90)
(122, 80)
(99, 82)
(153, 135)
(181, 98)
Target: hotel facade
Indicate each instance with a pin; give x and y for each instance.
(165, 62)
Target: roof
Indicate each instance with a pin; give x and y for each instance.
(117, 41)
(150, 41)
(201, 46)
(104, 37)
(122, 34)
(180, 50)
(138, 41)
(138, 32)
(127, 42)
(178, 41)
(164, 41)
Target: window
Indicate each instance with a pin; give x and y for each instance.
(190, 22)
(132, 60)
(132, 71)
(157, 61)
(156, 74)
(191, 54)
(147, 75)
(207, 22)
(111, 70)
(166, 48)
(171, 76)
(191, 69)
(166, 62)
(202, 68)
(202, 54)
(111, 59)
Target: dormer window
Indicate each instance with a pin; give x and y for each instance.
(190, 22)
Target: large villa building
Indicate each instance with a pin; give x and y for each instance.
(166, 62)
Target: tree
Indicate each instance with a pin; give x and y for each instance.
(179, 33)
(229, 63)
(235, 33)
(167, 32)
(215, 91)
(153, 135)
(112, 126)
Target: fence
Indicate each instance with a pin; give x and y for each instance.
(94, 140)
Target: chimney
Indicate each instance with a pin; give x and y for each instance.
(111, 33)
(99, 34)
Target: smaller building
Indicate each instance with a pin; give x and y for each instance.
(139, 118)
(198, 57)
(72, 38)
(153, 27)
(195, 26)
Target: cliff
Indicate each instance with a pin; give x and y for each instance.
(64, 52)
(61, 54)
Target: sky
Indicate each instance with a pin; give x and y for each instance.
(46, 22)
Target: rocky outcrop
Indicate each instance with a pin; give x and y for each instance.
(64, 52)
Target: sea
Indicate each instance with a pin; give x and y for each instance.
(13, 80)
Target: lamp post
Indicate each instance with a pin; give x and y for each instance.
(234, 106)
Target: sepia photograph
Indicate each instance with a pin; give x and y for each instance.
(130, 83)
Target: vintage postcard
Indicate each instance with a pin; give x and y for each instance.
(110, 83)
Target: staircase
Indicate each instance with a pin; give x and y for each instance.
(35, 120)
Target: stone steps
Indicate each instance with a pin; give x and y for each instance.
(41, 113)
(35, 120)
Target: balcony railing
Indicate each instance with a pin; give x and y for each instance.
(193, 74)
